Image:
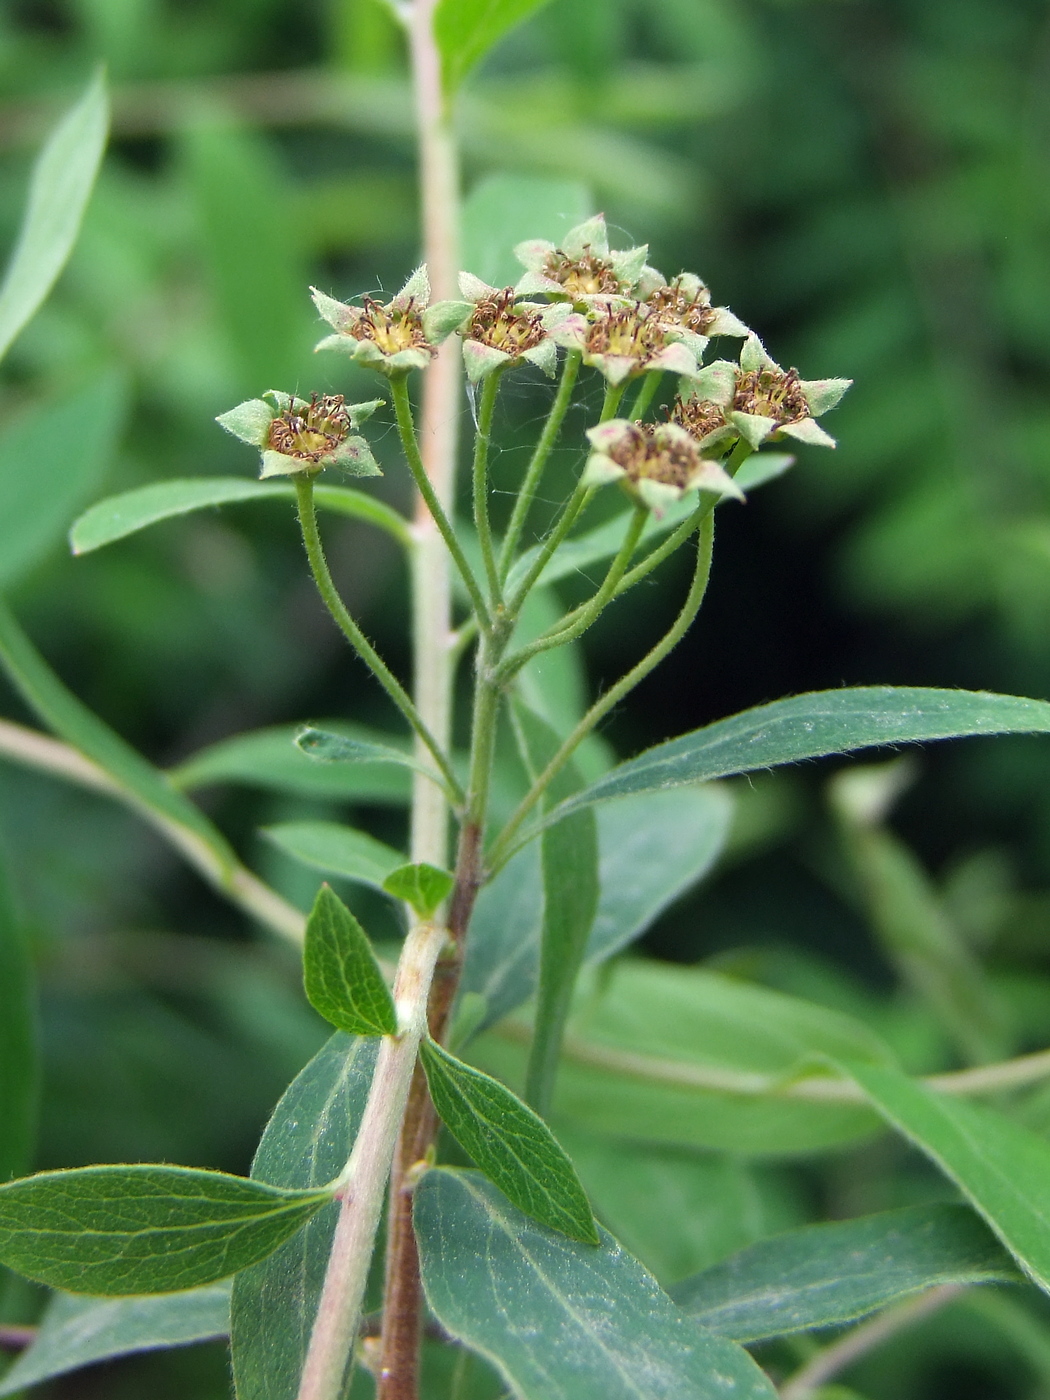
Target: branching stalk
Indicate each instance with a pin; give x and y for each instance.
(482, 520)
(304, 489)
(503, 848)
(407, 430)
(534, 473)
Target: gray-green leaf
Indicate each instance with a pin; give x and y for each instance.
(500, 206)
(337, 850)
(306, 1143)
(422, 886)
(563, 1321)
(324, 746)
(119, 516)
(143, 1229)
(269, 758)
(62, 181)
(826, 1275)
(77, 1331)
(340, 973)
(466, 29)
(812, 726)
(1001, 1167)
(511, 1144)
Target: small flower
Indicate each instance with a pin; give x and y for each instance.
(684, 303)
(657, 463)
(757, 400)
(498, 330)
(390, 337)
(582, 268)
(624, 341)
(299, 436)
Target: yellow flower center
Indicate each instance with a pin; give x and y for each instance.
(310, 433)
(771, 393)
(498, 321)
(391, 329)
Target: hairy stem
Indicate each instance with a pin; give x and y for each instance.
(503, 847)
(644, 396)
(406, 429)
(482, 521)
(589, 613)
(576, 504)
(362, 1185)
(304, 490)
(534, 473)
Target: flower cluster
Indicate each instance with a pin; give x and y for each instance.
(299, 435)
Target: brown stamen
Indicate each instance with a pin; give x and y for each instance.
(501, 323)
(671, 305)
(771, 393)
(647, 454)
(631, 331)
(588, 275)
(312, 432)
(699, 417)
(391, 329)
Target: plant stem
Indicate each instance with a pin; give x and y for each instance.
(502, 847)
(869, 1335)
(432, 649)
(482, 521)
(362, 1185)
(304, 490)
(576, 504)
(534, 473)
(407, 430)
(644, 396)
(588, 614)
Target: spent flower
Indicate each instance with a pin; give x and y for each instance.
(498, 329)
(582, 268)
(757, 401)
(300, 435)
(392, 337)
(627, 339)
(655, 462)
(684, 304)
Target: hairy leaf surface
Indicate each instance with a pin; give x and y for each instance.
(340, 973)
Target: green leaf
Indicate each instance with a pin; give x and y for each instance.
(812, 726)
(465, 30)
(77, 1331)
(306, 1143)
(119, 516)
(422, 886)
(761, 467)
(59, 708)
(569, 865)
(683, 1055)
(337, 850)
(325, 746)
(19, 1067)
(62, 181)
(269, 758)
(511, 1144)
(563, 1321)
(50, 465)
(1001, 1168)
(826, 1275)
(143, 1229)
(340, 973)
(652, 848)
(503, 209)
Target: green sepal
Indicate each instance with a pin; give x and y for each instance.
(340, 973)
(423, 886)
(511, 1144)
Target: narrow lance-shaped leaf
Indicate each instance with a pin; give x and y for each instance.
(812, 726)
(1001, 1167)
(569, 862)
(510, 1143)
(327, 747)
(562, 1320)
(78, 1331)
(337, 850)
(340, 973)
(306, 1143)
(120, 516)
(826, 1275)
(143, 1229)
(423, 886)
(19, 1069)
(62, 181)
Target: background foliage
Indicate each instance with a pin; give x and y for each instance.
(865, 181)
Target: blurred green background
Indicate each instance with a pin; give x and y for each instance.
(866, 182)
